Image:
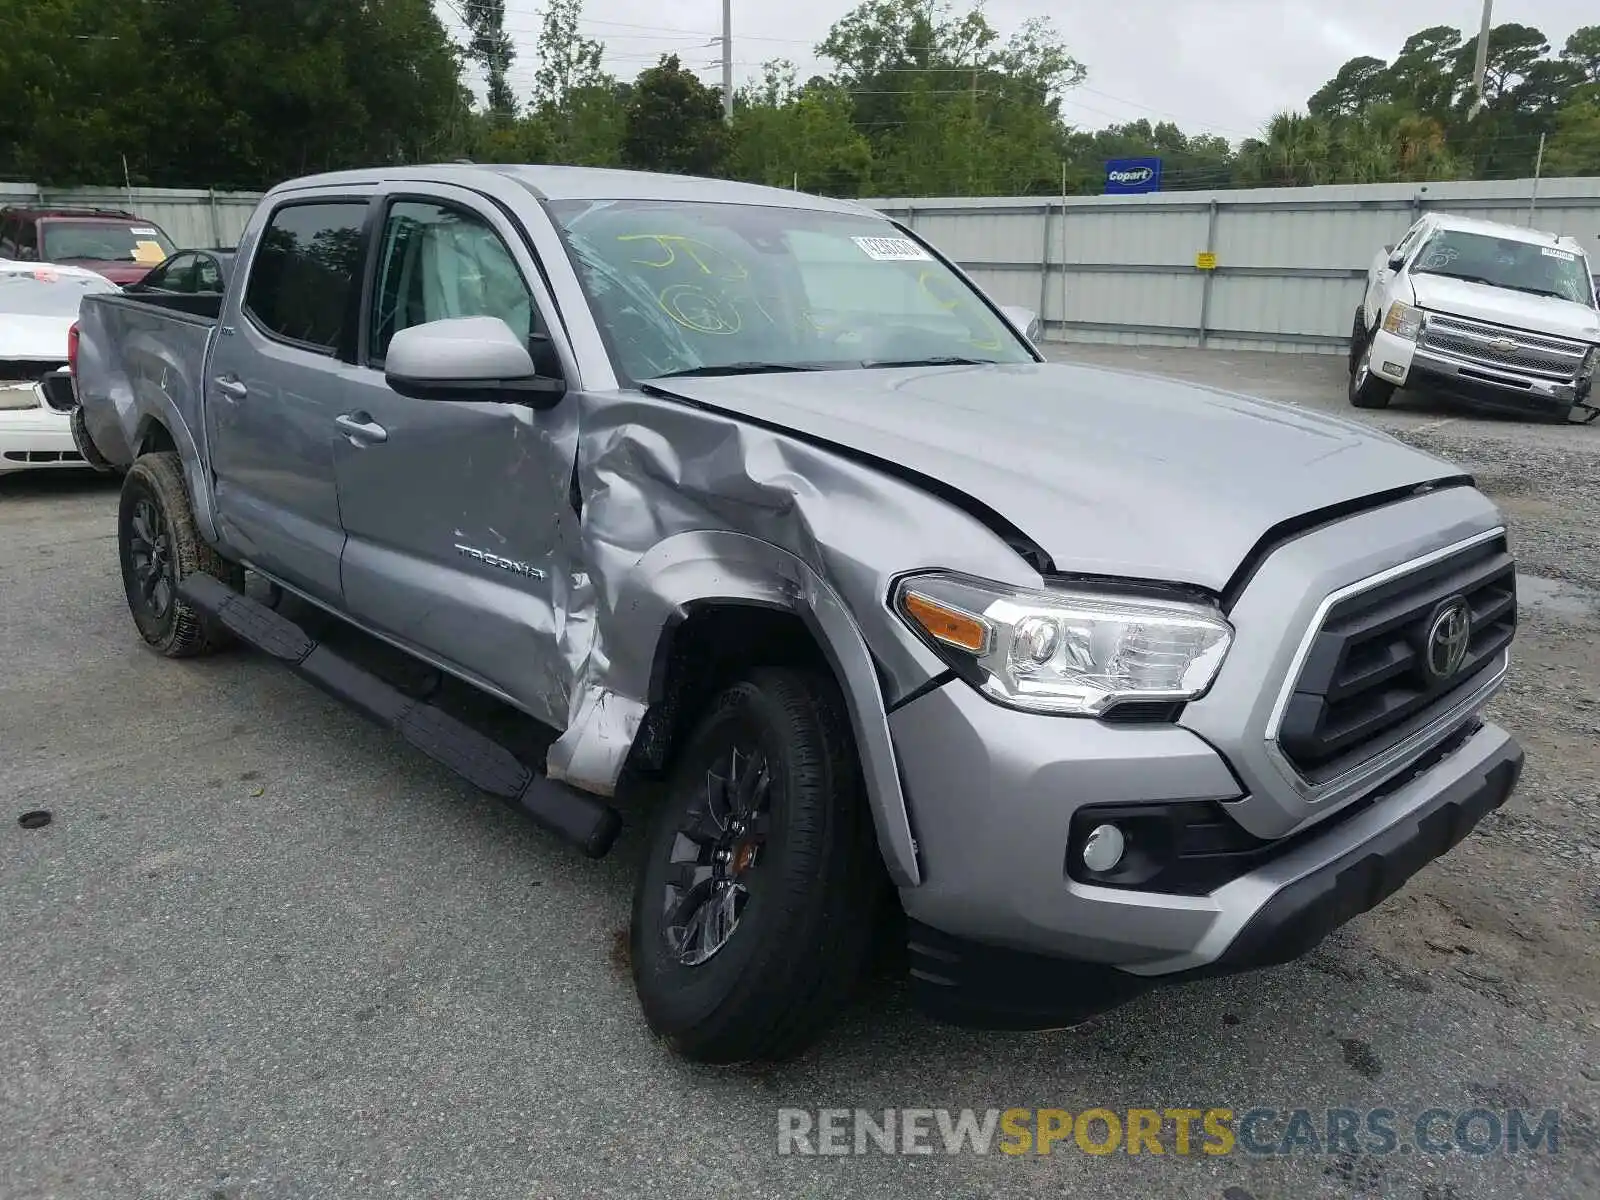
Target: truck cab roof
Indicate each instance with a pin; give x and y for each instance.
(1497, 229)
(549, 182)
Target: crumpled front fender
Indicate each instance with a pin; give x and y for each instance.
(708, 566)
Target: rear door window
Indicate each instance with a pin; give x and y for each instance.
(305, 271)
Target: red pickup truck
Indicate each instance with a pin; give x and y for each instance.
(111, 242)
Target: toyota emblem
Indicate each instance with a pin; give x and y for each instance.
(1449, 636)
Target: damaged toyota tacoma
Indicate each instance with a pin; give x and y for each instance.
(1086, 681)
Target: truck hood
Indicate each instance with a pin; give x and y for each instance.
(1111, 473)
(1502, 306)
(34, 337)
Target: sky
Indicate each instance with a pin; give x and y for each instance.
(1217, 66)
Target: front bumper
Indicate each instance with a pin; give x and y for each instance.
(1405, 364)
(36, 438)
(1037, 973)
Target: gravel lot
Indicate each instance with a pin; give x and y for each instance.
(262, 951)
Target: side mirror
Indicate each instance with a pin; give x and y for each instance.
(467, 358)
(1025, 320)
(1396, 261)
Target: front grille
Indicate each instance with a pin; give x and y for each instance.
(1365, 684)
(19, 370)
(1503, 349)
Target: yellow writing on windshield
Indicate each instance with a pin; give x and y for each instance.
(710, 260)
(697, 309)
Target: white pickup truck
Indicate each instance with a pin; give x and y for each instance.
(1497, 315)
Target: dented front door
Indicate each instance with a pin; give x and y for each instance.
(455, 514)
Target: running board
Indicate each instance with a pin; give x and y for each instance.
(571, 815)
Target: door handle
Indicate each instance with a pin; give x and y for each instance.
(233, 389)
(361, 429)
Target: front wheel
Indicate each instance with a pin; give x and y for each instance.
(760, 891)
(160, 546)
(1366, 389)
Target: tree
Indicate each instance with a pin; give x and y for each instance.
(673, 122)
(1582, 53)
(568, 61)
(1575, 148)
(490, 47)
(1421, 77)
(789, 136)
(946, 105)
(332, 83)
(1357, 86)
(579, 106)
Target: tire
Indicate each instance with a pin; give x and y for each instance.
(1366, 389)
(806, 864)
(159, 546)
(1358, 338)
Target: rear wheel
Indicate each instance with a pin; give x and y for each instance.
(160, 546)
(761, 889)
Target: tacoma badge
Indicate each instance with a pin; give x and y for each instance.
(505, 564)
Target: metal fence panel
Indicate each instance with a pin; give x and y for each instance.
(1288, 268)
(192, 217)
(1288, 261)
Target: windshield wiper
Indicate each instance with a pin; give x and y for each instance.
(938, 360)
(737, 368)
(1453, 275)
(1536, 291)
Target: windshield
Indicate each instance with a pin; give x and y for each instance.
(1507, 263)
(104, 241)
(41, 292)
(726, 288)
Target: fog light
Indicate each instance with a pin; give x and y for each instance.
(1393, 368)
(1102, 849)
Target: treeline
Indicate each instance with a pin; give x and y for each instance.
(921, 99)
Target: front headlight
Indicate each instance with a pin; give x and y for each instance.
(1079, 653)
(1403, 320)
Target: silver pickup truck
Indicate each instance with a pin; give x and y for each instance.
(1085, 681)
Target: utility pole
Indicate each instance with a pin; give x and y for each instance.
(1483, 60)
(1538, 169)
(727, 60)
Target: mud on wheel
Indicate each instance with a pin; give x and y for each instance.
(159, 546)
(761, 886)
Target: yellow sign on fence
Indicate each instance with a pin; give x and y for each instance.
(1205, 261)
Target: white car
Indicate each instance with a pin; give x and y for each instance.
(1499, 315)
(38, 307)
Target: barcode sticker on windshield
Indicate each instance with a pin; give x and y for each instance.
(145, 231)
(892, 249)
(1563, 255)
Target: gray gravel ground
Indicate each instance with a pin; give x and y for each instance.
(263, 951)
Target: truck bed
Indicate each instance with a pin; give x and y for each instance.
(142, 357)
